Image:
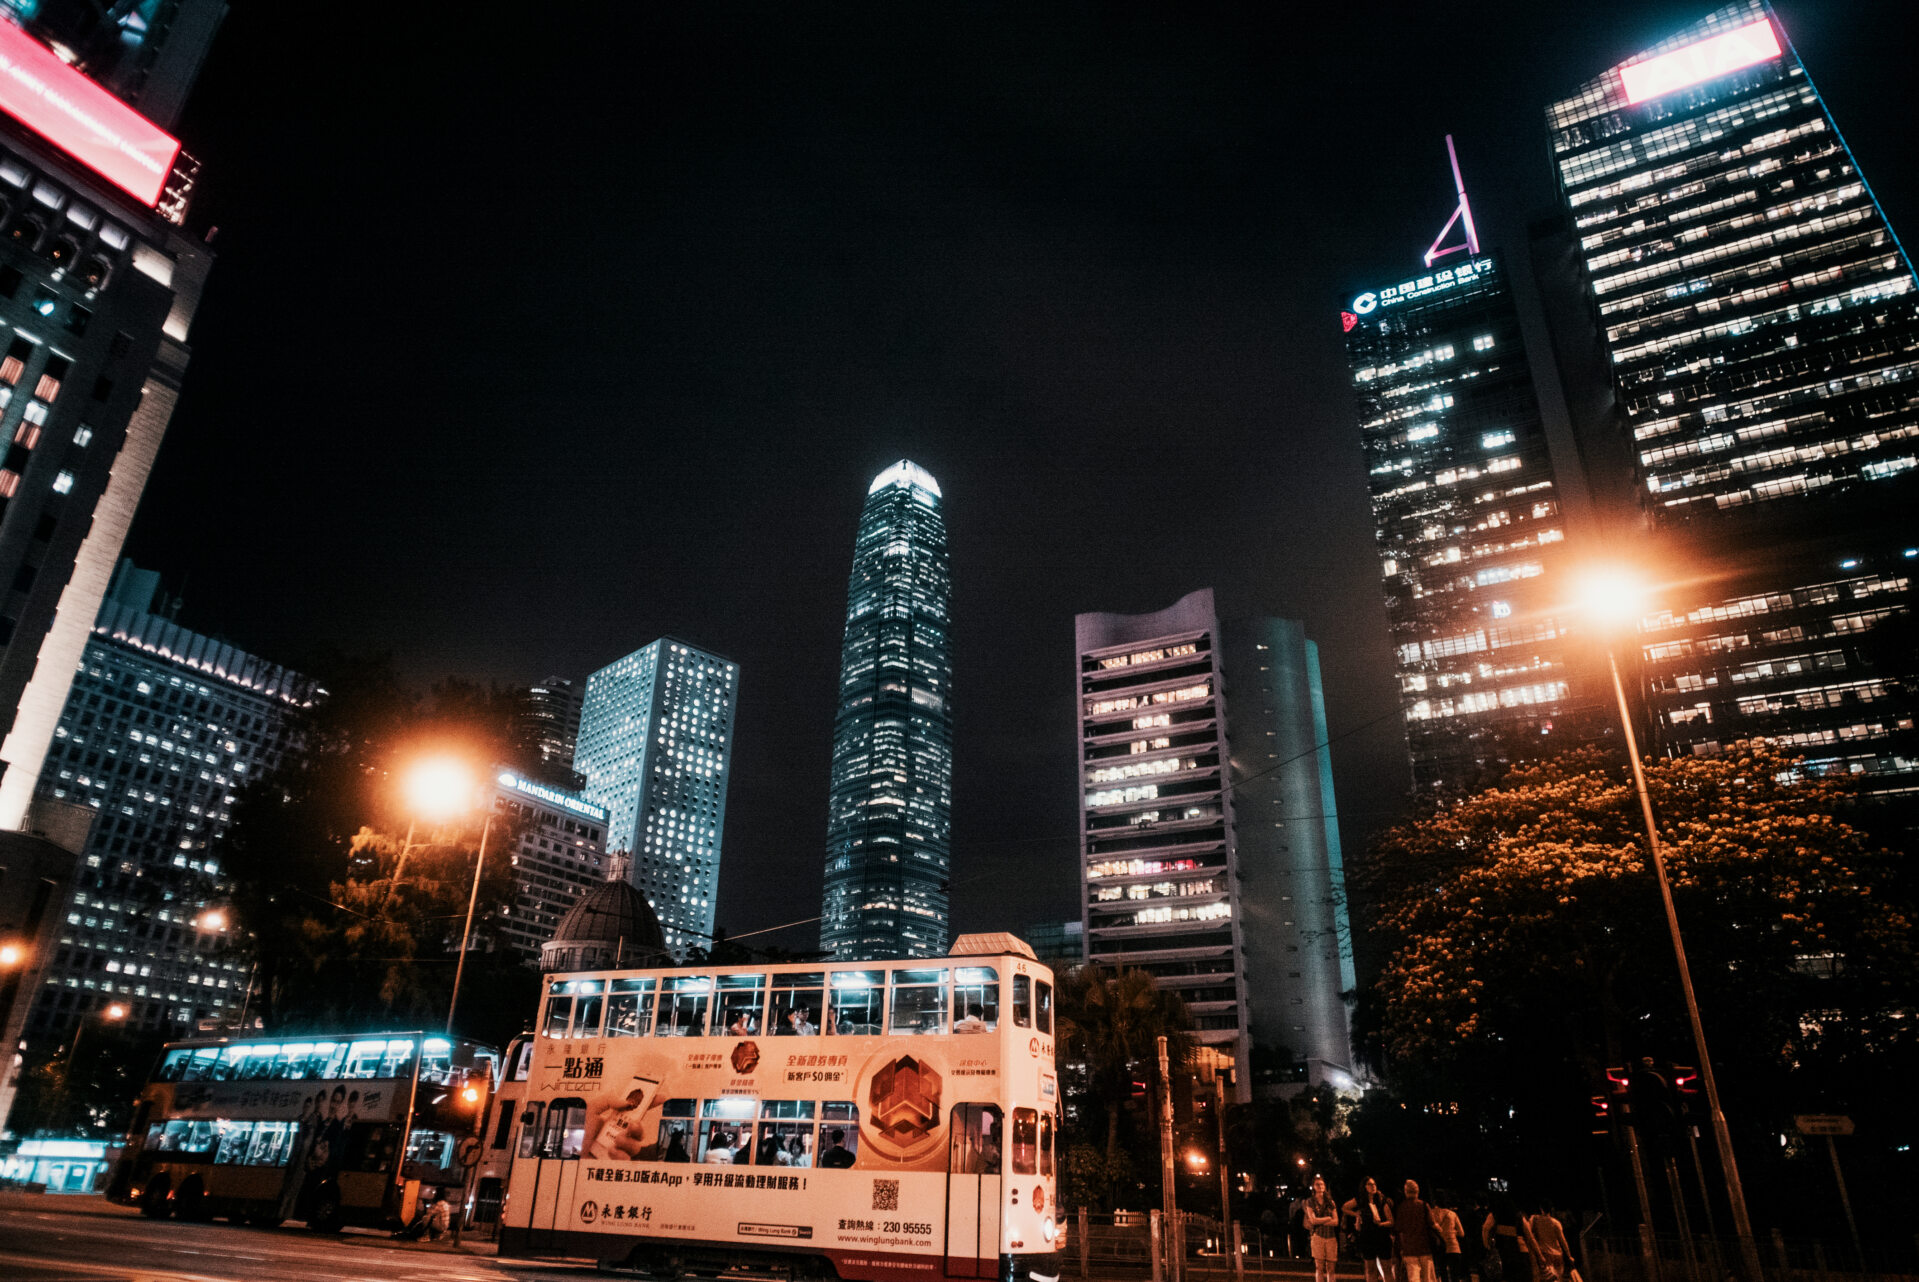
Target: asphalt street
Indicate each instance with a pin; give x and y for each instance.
(84, 1239)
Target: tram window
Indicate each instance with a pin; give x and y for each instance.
(727, 1143)
(919, 1001)
(742, 1004)
(785, 1143)
(1025, 1141)
(975, 999)
(629, 1007)
(798, 1004)
(683, 1003)
(530, 1129)
(1023, 1000)
(977, 1132)
(857, 997)
(586, 1008)
(1045, 1005)
(839, 1134)
(523, 1064)
(559, 1014)
(1045, 1143)
(565, 1131)
(505, 1127)
(676, 1130)
(174, 1066)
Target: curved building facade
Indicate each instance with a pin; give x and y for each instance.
(888, 830)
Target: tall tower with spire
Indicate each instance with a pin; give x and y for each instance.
(888, 828)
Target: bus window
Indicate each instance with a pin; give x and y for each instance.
(919, 1001)
(629, 1007)
(436, 1060)
(857, 996)
(1045, 1005)
(839, 1134)
(683, 1003)
(272, 1143)
(975, 999)
(1025, 1141)
(398, 1060)
(742, 1004)
(188, 1137)
(200, 1067)
(232, 1060)
(329, 1060)
(798, 1007)
(363, 1059)
(977, 1131)
(293, 1061)
(1023, 1000)
(260, 1063)
(586, 1008)
(174, 1066)
(1045, 1143)
(231, 1146)
(676, 1130)
(530, 1129)
(559, 1013)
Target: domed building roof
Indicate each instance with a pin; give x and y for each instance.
(609, 926)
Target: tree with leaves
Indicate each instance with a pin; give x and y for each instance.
(1526, 947)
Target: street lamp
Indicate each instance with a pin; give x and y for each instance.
(11, 955)
(1614, 600)
(114, 1012)
(440, 789)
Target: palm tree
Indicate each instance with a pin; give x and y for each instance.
(1111, 1022)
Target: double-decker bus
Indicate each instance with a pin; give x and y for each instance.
(869, 1120)
(331, 1129)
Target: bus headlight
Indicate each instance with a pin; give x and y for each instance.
(1048, 1229)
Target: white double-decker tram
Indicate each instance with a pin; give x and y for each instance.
(882, 1120)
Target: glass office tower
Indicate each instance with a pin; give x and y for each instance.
(1467, 514)
(656, 737)
(1761, 327)
(889, 822)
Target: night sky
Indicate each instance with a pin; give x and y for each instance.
(530, 342)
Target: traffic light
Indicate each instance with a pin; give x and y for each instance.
(1685, 1084)
(1602, 1114)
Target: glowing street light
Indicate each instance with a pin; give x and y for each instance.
(211, 919)
(1615, 599)
(11, 955)
(113, 1012)
(440, 789)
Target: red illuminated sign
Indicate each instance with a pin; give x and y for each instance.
(81, 118)
(1347, 320)
(1744, 46)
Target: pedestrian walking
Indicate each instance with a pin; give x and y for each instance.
(1371, 1216)
(1322, 1222)
(1507, 1233)
(1452, 1255)
(1555, 1254)
(1417, 1237)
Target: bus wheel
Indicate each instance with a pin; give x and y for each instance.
(266, 1219)
(324, 1215)
(190, 1203)
(153, 1202)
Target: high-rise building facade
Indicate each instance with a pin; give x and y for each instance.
(1190, 840)
(1467, 513)
(546, 729)
(99, 282)
(1760, 323)
(889, 822)
(162, 729)
(559, 856)
(656, 738)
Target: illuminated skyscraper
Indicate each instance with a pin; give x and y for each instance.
(99, 282)
(656, 737)
(889, 822)
(1211, 860)
(546, 729)
(1757, 332)
(1467, 514)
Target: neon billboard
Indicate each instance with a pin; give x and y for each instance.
(82, 119)
(1729, 51)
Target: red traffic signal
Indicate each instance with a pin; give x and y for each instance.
(1602, 1115)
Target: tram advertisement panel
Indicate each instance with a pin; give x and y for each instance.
(669, 1120)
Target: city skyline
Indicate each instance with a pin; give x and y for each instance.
(1115, 363)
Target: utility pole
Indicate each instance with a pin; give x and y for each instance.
(1168, 1198)
(1225, 1186)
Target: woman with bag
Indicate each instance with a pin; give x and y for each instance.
(1372, 1219)
(1506, 1232)
(1322, 1223)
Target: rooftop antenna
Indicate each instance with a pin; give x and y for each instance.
(1462, 213)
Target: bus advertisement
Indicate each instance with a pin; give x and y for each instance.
(331, 1129)
(872, 1120)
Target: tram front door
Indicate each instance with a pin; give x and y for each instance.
(976, 1139)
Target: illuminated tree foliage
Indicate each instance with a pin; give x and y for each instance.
(1525, 945)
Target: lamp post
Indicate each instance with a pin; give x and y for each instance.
(1614, 600)
(472, 900)
(443, 788)
(114, 1011)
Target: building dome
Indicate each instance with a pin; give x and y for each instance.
(609, 926)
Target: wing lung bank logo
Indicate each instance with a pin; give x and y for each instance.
(589, 1211)
(902, 1124)
(746, 1057)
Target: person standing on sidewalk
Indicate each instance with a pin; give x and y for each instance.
(1372, 1217)
(1418, 1236)
(1322, 1222)
(1452, 1257)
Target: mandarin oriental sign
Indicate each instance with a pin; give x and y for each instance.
(82, 119)
(1730, 51)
